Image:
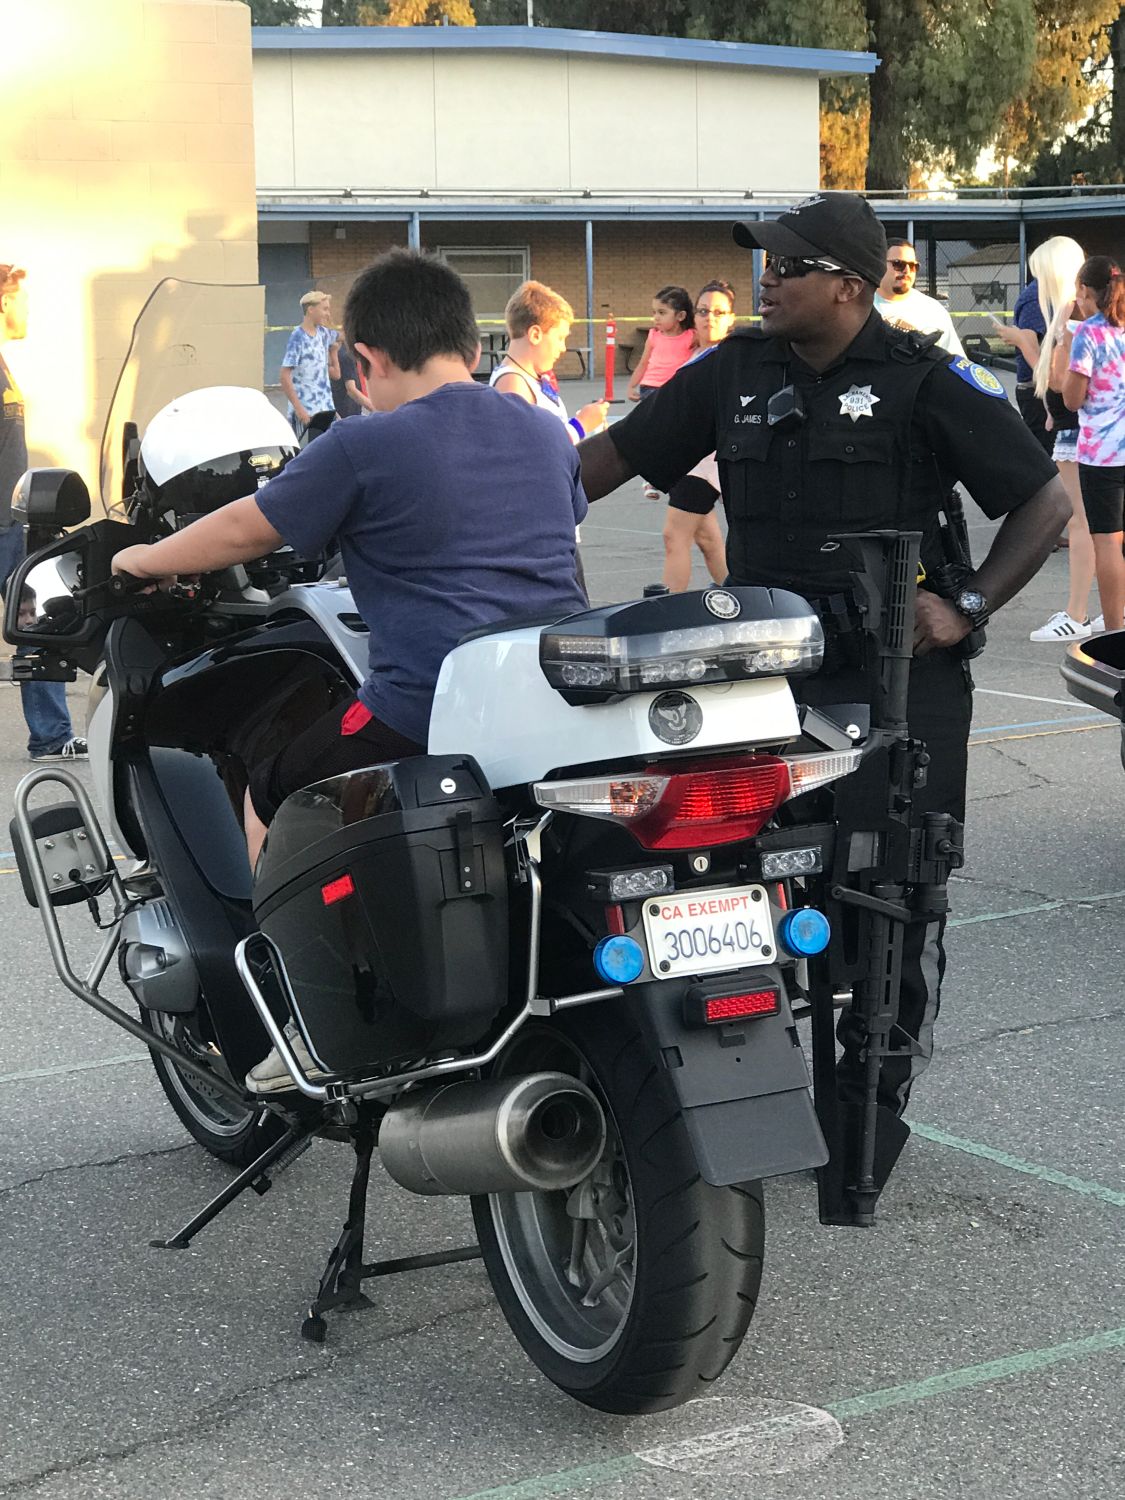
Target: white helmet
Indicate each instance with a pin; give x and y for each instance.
(212, 446)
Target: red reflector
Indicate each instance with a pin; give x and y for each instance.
(709, 803)
(337, 890)
(740, 1007)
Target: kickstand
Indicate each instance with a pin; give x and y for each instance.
(342, 1282)
(290, 1145)
(340, 1286)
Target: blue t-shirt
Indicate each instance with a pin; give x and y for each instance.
(1028, 314)
(306, 354)
(455, 511)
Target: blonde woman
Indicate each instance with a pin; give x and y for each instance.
(1054, 265)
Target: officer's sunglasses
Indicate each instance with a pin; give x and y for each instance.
(788, 267)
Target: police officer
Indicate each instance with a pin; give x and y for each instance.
(827, 421)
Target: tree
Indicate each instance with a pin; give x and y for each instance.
(278, 12)
(397, 13)
(1067, 80)
(949, 70)
(1095, 150)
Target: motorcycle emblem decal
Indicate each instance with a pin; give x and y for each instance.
(858, 402)
(675, 718)
(720, 603)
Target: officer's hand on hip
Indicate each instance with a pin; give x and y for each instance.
(936, 623)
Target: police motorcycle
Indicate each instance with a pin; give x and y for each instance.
(553, 965)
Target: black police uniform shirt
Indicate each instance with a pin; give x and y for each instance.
(888, 427)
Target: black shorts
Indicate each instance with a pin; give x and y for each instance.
(694, 495)
(1103, 495)
(346, 738)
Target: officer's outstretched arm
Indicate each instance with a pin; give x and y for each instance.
(603, 468)
(1023, 543)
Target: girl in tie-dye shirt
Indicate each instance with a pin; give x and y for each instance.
(1095, 388)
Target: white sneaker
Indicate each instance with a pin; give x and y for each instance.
(1097, 625)
(651, 493)
(1062, 627)
(271, 1076)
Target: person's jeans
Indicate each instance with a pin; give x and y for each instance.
(44, 703)
(47, 716)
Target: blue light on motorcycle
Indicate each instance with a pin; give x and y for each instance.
(619, 960)
(804, 932)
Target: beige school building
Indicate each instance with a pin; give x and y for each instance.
(604, 165)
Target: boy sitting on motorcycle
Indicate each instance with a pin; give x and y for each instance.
(454, 507)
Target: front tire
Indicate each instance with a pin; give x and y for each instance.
(234, 1136)
(633, 1291)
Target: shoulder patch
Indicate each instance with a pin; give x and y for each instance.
(978, 377)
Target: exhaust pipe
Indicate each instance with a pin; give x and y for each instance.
(543, 1131)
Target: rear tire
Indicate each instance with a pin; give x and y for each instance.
(234, 1136)
(679, 1261)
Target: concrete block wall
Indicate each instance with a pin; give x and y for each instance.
(128, 158)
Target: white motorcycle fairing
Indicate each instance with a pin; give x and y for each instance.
(493, 702)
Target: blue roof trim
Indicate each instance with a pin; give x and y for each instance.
(1006, 212)
(554, 39)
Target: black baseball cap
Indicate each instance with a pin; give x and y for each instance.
(838, 226)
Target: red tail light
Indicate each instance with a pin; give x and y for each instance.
(702, 804)
(683, 805)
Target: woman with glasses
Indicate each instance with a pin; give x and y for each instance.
(691, 519)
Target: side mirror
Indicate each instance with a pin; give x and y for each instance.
(52, 499)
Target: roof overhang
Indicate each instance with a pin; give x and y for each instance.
(397, 206)
(819, 60)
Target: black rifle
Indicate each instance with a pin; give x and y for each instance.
(884, 873)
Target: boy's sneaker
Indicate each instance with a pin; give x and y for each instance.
(74, 748)
(1063, 627)
(271, 1076)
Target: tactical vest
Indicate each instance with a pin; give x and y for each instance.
(858, 462)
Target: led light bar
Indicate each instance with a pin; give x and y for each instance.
(781, 864)
(631, 885)
(725, 651)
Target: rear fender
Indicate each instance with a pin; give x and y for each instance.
(743, 1088)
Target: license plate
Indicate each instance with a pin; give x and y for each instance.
(699, 931)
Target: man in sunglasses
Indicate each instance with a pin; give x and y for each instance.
(903, 306)
(828, 420)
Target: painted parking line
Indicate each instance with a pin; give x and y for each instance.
(30, 1074)
(1018, 1164)
(1039, 906)
(847, 1409)
(1039, 723)
(1027, 697)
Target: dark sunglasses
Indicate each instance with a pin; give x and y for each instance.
(903, 265)
(790, 266)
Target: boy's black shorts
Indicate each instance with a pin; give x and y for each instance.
(346, 738)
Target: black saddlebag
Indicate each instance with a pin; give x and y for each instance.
(385, 892)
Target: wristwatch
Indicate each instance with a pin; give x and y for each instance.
(973, 605)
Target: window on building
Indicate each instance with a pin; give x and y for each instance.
(491, 273)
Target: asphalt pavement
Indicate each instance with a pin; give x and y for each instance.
(973, 1343)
